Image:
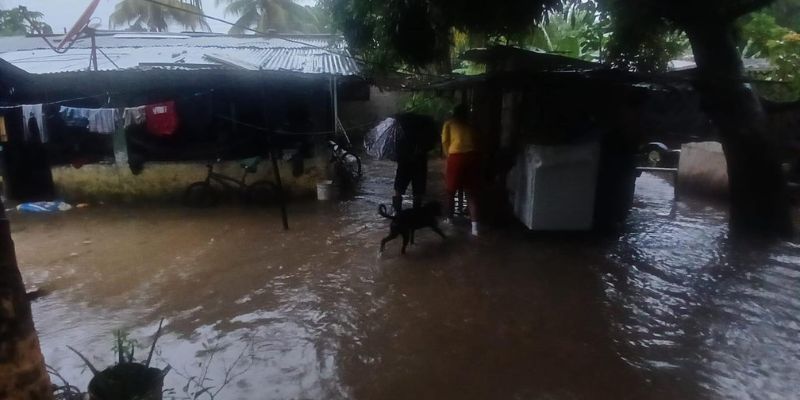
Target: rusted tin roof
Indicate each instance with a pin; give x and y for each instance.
(307, 54)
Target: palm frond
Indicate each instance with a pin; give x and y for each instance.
(155, 18)
(241, 7)
(279, 15)
(246, 20)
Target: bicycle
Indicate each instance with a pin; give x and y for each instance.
(346, 165)
(206, 193)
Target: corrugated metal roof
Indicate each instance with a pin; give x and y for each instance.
(308, 54)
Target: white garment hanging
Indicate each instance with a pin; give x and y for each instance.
(134, 116)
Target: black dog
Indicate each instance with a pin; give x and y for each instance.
(407, 221)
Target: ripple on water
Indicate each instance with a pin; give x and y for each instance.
(690, 303)
(318, 315)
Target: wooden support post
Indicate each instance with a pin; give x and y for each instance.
(281, 197)
(93, 56)
(119, 143)
(332, 90)
(335, 105)
(273, 154)
(233, 115)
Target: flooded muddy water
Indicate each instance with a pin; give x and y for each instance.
(674, 308)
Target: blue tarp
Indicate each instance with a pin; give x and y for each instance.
(44, 207)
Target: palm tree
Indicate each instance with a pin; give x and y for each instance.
(283, 16)
(19, 22)
(141, 15)
(566, 30)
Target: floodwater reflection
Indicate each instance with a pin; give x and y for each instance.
(674, 308)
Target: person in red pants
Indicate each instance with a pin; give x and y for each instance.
(462, 171)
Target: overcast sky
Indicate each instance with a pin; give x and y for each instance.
(62, 14)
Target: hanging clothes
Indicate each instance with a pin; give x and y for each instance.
(13, 129)
(134, 116)
(100, 120)
(162, 118)
(33, 123)
(3, 131)
(34, 133)
(73, 119)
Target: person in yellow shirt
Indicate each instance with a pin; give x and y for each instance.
(462, 171)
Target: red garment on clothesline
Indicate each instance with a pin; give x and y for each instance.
(162, 118)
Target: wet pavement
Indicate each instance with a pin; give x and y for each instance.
(674, 308)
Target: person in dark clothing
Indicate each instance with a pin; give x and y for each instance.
(420, 134)
(33, 129)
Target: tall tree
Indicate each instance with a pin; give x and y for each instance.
(141, 15)
(19, 22)
(22, 370)
(570, 30)
(762, 37)
(283, 16)
(759, 32)
(787, 13)
(758, 194)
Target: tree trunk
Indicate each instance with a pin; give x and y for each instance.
(759, 201)
(23, 375)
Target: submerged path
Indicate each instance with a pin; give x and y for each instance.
(671, 309)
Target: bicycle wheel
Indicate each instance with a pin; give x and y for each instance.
(261, 194)
(352, 164)
(200, 195)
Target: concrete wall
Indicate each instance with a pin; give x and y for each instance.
(703, 169)
(361, 116)
(167, 181)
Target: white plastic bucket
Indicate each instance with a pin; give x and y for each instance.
(326, 191)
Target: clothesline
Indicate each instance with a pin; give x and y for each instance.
(103, 119)
(290, 133)
(160, 118)
(107, 94)
(58, 102)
